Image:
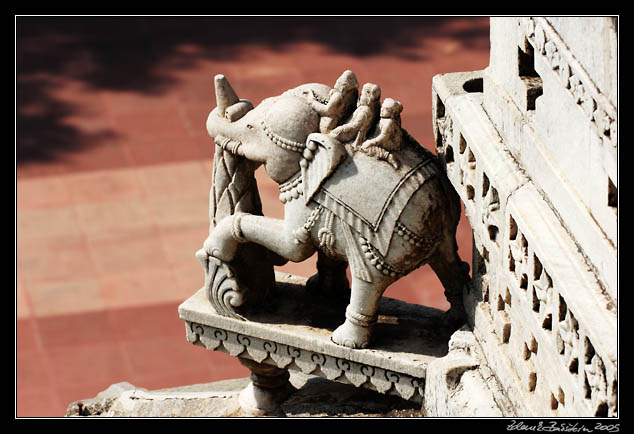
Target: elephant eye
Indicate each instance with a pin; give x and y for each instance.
(249, 126)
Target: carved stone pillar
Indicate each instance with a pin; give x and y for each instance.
(269, 387)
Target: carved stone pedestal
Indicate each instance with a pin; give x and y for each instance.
(269, 387)
(292, 329)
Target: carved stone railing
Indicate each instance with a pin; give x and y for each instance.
(546, 326)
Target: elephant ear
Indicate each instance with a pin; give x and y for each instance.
(327, 153)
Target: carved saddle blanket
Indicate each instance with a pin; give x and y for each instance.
(369, 195)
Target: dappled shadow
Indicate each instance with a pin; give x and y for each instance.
(42, 131)
(128, 54)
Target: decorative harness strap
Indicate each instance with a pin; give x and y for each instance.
(326, 235)
(302, 235)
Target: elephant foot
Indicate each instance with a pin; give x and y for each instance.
(356, 331)
(222, 243)
(352, 336)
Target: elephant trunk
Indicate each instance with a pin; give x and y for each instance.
(228, 104)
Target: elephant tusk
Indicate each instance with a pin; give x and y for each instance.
(225, 95)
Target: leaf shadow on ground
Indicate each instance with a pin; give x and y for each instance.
(129, 53)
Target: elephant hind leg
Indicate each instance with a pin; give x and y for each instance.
(454, 275)
(331, 279)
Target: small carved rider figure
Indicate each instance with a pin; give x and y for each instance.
(388, 134)
(341, 100)
(363, 118)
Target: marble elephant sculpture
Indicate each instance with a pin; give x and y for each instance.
(352, 208)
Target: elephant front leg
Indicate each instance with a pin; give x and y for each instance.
(223, 241)
(361, 314)
(221, 246)
(221, 285)
(274, 234)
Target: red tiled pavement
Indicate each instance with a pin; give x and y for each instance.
(113, 169)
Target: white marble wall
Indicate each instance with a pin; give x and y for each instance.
(567, 143)
(530, 145)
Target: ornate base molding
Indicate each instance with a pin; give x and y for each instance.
(292, 332)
